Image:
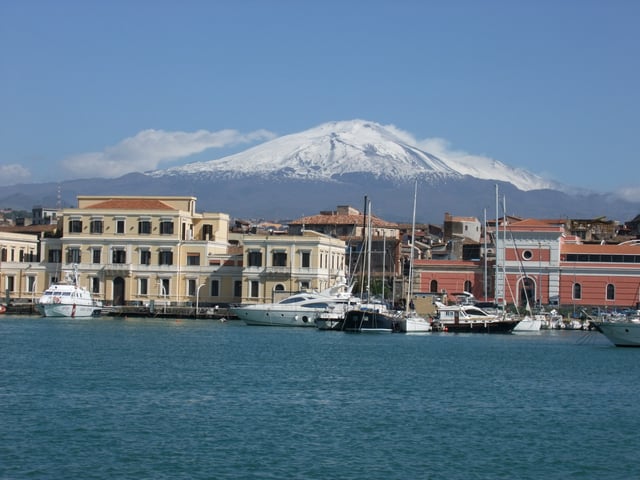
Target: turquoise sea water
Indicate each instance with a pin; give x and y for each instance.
(185, 399)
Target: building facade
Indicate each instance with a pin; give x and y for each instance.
(277, 265)
(133, 250)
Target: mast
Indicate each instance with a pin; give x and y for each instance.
(413, 241)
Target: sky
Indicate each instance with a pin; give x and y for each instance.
(93, 88)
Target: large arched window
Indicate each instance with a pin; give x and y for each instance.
(467, 286)
(577, 291)
(611, 291)
(433, 288)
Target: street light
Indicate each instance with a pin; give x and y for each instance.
(198, 297)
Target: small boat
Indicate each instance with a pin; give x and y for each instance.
(469, 318)
(624, 333)
(3, 309)
(68, 299)
(371, 321)
(529, 323)
(411, 322)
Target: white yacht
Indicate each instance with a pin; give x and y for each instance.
(299, 310)
(68, 299)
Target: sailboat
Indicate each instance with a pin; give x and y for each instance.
(366, 319)
(411, 322)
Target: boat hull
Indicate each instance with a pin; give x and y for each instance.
(68, 310)
(621, 334)
(414, 324)
(368, 321)
(498, 326)
(275, 317)
(528, 324)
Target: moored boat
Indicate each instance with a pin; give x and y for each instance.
(371, 321)
(68, 299)
(298, 310)
(468, 318)
(624, 333)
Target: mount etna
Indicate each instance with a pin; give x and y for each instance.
(339, 163)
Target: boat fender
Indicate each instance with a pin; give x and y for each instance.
(56, 299)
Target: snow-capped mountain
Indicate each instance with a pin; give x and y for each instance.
(339, 163)
(332, 150)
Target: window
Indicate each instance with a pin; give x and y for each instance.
(166, 227)
(433, 286)
(73, 255)
(143, 286)
(96, 255)
(120, 226)
(145, 257)
(31, 284)
(95, 285)
(165, 287)
(3, 255)
(191, 287)
(207, 232)
(254, 259)
(577, 291)
(54, 256)
(467, 285)
(215, 288)
(279, 259)
(11, 283)
(237, 288)
(254, 286)
(119, 255)
(165, 257)
(304, 285)
(193, 259)
(306, 259)
(611, 291)
(96, 226)
(75, 226)
(144, 226)
(527, 255)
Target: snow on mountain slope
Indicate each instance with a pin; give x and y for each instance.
(338, 148)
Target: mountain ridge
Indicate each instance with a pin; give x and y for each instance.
(338, 163)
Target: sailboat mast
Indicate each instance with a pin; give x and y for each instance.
(413, 241)
(369, 248)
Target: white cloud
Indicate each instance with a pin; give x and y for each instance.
(11, 174)
(478, 166)
(150, 148)
(631, 193)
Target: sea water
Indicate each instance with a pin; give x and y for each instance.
(107, 398)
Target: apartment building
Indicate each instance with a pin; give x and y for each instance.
(20, 273)
(132, 250)
(277, 265)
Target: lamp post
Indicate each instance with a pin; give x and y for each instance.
(198, 297)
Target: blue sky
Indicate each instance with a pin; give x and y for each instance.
(549, 86)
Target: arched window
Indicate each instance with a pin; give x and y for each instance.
(577, 291)
(278, 288)
(611, 291)
(433, 288)
(467, 286)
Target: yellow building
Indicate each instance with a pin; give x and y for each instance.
(277, 265)
(20, 273)
(132, 250)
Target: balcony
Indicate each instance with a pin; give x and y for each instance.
(117, 270)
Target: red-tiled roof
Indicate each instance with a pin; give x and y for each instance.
(357, 219)
(131, 204)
